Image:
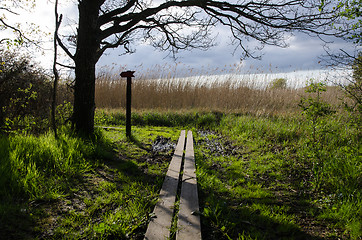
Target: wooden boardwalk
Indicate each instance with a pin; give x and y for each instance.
(188, 218)
(188, 226)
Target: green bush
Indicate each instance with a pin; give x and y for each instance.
(279, 83)
(25, 93)
(354, 91)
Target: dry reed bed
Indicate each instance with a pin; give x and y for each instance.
(176, 94)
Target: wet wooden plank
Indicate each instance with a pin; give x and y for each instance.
(189, 226)
(160, 224)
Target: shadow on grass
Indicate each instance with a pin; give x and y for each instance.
(15, 220)
(21, 218)
(138, 143)
(135, 169)
(272, 213)
(230, 218)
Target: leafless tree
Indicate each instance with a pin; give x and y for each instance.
(173, 25)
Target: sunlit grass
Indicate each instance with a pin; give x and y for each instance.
(261, 172)
(79, 189)
(258, 178)
(271, 182)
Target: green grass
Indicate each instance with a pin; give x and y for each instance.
(32, 166)
(259, 178)
(274, 182)
(156, 118)
(76, 189)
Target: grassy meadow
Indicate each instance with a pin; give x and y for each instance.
(272, 162)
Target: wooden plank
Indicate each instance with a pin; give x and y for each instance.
(160, 225)
(189, 226)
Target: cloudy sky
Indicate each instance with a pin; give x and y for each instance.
(303, 53)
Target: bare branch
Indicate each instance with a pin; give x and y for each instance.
(266, 21)
(65, 49)
(66, 66)
(108, 16)
(8, 10)
(21, 35)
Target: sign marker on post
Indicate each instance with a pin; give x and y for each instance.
(129, 75)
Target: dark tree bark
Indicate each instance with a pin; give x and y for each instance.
(105, 24)
(85, 60)
(58, 20)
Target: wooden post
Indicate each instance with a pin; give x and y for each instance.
(128, 75)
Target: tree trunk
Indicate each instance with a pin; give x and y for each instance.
(85, 62)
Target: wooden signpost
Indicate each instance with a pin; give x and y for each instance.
(129, 75)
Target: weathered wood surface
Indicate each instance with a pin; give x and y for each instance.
(160, 224)
(188, 218)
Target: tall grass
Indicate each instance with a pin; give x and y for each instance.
(212, 93)
(40, 167)
(73, 188)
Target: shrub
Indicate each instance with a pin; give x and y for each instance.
(25, 93)
(354, 90)
(279, 83)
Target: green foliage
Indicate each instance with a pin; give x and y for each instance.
(207, 120)
(1, 66)
(17, 107)
(63, 113)
(17, 33)
(351, 10)
(279, 83)
(24, 94)
(314, 108)
(233, 194)
(354, 92)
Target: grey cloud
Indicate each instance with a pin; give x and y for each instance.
(303, 53)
